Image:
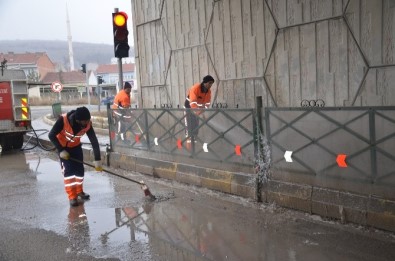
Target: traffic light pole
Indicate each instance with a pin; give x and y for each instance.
(84, 70)
(120, 75)
(99, 82)
(99, 94)
(87, 89)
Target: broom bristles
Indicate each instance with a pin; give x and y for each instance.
(147, 192)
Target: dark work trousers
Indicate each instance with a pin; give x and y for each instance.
(191, 124)
(73, 172)
(119, 117)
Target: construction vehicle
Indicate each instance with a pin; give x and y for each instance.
(15, 117)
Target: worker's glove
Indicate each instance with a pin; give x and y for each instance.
(64, 155)
(98, 166)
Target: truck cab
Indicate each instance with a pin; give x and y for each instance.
(15, 116)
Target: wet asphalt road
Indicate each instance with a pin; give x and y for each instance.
(39, 111)
(185, 223)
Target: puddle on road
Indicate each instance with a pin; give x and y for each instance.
(118, 222)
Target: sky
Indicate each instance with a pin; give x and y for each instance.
(90, 20)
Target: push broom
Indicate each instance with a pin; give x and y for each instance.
(143, 186)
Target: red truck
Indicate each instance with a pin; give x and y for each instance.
(15, 119)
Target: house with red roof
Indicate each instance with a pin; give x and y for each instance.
(39, 68)
(74, 85)
(35, 65)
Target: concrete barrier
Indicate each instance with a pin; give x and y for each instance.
(342, 205)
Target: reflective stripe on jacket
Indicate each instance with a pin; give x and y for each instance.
(67, 138)
(197, 98)
(121, 100)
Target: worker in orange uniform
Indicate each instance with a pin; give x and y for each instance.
(198, 97)
(122, 101)
(66, 136)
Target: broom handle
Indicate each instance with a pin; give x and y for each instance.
(105, 170)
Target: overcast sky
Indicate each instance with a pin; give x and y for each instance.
(90, 20)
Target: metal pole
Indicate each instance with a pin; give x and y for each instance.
(87, 87)
(120, 75)
(259, 146)
(99, 93)
(110, 127)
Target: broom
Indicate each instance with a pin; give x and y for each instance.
(143, 186)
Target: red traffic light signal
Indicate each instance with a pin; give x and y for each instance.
(120, 31)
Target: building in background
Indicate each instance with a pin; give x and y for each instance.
(110, 75)
(73, 86)
(41, 70)
(35, 65)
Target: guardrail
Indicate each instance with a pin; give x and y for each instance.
(224, 135)
(355, 144)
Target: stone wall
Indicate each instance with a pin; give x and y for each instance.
(339, 51)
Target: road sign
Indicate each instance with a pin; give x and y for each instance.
(56, 87)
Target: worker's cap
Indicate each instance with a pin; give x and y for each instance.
(127, 85)
(208, 78)
(82, 114)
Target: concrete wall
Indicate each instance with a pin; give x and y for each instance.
(340, 51)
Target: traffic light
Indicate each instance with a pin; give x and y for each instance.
(120, 31)
(83, 68)
(100, 79)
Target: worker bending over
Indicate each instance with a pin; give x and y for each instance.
(66, 136)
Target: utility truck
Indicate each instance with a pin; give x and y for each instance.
(15, 117)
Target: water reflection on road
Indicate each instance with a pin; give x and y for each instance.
(184, 225)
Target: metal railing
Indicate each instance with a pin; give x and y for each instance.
(315, 137)
(223, 135)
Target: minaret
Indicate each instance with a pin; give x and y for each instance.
(69, 40)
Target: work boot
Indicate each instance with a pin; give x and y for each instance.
(73, 202)
(84, 196)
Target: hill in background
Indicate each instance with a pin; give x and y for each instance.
(58, 51)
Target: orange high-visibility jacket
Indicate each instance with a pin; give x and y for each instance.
(121, 100)
(67, 138)
(197, 98)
